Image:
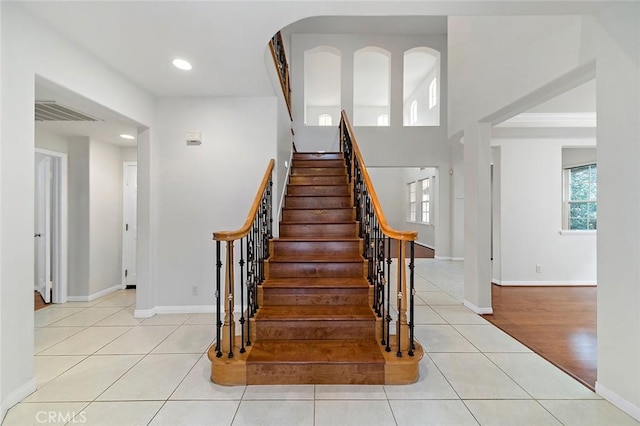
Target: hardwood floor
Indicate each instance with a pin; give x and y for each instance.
(558, 323)
(420, 251)
(38, 301)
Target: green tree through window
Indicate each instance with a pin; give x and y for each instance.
(583, 195)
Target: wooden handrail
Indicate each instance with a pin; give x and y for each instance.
(382, 220)
(244, 230)
(282, 67)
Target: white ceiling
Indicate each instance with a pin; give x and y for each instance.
(108, 128)
(370, 25)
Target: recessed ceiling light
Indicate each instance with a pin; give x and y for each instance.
(181, 64)
(125, 136)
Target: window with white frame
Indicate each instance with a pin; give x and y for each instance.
(420, 201)
(412, 201)
(325, 120)
(425, 200)
(383, 120)
(581, 197)
(433, 93)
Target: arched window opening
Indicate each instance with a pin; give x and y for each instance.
(413, 114)
(324, 120)
(433, 93)
(371, 85)
(421, 86)
(322, 85)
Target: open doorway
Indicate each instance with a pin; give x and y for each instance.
(544, 238)
(79, 202)
(50, 225)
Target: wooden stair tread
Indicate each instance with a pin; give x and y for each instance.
(307, 239)
(346, 282)
(315, 313)
(335, 222)
(315, 259)
(316, 351)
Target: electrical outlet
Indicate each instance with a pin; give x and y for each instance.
(195, 290)
(538, 268)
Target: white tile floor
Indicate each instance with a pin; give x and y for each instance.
(96, 362)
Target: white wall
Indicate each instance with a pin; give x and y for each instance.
(29, 48)
(46, 139)
(129, 154)
(426, 116)
(105, 221)
(617, 31)
(572, 157)
(489, 67)
(393, 146)
(206, 188)
(391, 192)
(531, 186)
(79, 217)
(560, 53)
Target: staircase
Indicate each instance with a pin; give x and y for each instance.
(314, 322)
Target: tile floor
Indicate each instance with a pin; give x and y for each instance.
(97, 365)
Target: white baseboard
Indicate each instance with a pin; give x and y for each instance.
(618, 401)
(477, 310)
(418, 243)
(543, 283)
(94, 296)
(16, 396)
(184, 309)
(144, 313)
(457, 259)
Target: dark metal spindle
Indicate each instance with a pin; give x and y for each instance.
(218, 304)
(412, 292)
(242, 349)
(230, 283)
(388, 348)
(400, 298)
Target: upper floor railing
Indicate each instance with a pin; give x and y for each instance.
(253, 237)
(379, 241)
(280, 61)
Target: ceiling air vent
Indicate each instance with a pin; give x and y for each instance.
(51, 111)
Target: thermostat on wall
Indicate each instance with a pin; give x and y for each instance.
(194, 138)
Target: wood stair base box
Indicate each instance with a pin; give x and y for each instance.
(317, 362)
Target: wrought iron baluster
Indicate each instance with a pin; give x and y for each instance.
(412, 292)
(229, 320)
(218, 304)
(400, 297)
(388, 348)
(242, 349)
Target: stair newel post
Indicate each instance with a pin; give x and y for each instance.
(229, 322)
(242, 350)
(218, 304)
(412, 293)
(388, 281)
(402, 329)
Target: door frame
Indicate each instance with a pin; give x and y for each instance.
(125, 164)
(60, 225)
